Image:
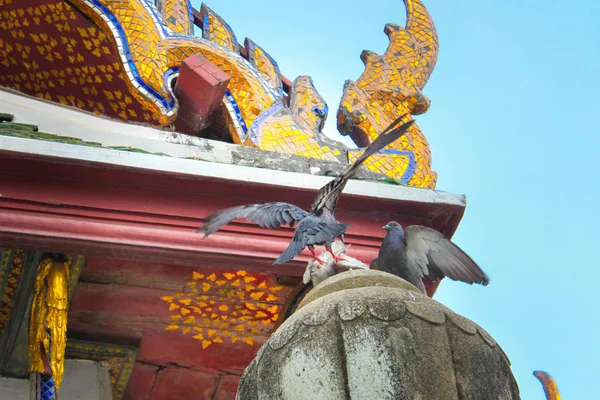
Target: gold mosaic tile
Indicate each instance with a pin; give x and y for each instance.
(216, 30)
(391, 86)
(122, 67)
(264, 64)
(176, 16)
(281, 133)
(307, 106)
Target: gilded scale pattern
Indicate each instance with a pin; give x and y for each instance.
(307, 105)
(264, 63)
(47, 52)
(275, 127)
(225, 307)
(176, 16)
(216, 30)
(391, 86)
(136, 48)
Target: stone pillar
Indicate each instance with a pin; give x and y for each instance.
(370, 335)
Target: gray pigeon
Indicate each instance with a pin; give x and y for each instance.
(319, 227)
(424, 252)
(316, 272)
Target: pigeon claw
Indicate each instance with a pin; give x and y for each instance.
(311, 248)
(335, 258)
(317, 259)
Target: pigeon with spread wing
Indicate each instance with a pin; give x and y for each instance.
(419, 252)
(319, 227)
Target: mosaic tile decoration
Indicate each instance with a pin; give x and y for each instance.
(47, 387)
(391, 86)
(216, 30)
(120, 359)
(399, 164)
(111, 66)
(119, 58)
(308, 107)
(279, 132)
(177, 15)
(221, 307)
(264, 63)
(275, 128)
(51, 51)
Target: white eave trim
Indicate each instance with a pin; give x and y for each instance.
(204, 170)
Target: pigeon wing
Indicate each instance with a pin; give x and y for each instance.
(267, 215)
(436, 256)
(328, 195)
(310, 231)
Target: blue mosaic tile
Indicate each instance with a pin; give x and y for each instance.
(238, 114)
(47, 387)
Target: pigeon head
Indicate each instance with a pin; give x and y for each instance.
(393, 226)
(317, 273)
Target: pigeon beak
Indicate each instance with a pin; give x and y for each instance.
(385, 227)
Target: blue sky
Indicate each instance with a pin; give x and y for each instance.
(513, 125)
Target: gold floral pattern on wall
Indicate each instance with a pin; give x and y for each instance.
(219, 307)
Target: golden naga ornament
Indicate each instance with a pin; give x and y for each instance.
(48, 321)
(549, 385)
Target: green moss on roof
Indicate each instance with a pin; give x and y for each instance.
(28, 131)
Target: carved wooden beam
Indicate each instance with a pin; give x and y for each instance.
(200, 88)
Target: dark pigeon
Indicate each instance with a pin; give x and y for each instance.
(319, 227)
(419, 252)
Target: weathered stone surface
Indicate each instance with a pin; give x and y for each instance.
(14, 389)
(355, 279)
(360, 335)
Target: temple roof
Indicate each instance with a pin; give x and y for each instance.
(41, 120)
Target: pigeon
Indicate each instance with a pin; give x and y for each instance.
(419, 252)
(319, 227)
(317, 272)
